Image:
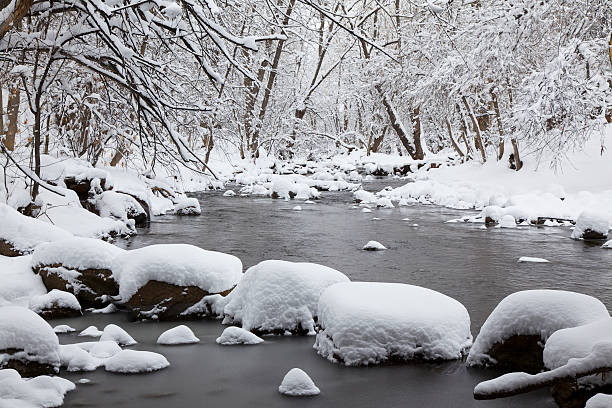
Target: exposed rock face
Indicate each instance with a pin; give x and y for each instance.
(7, 249)
(89, 285)
(26, 368)
(590, 235)
(570, 395)
(58, 312)
(82, 186)
(164, 301)
(519, 353)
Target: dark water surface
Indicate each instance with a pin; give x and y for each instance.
(476, 266)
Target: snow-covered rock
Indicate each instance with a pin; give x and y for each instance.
(188, 206)
(507, 221)
(91, 331)
(63, 328)
(532, 259)
(592, 225)
(17, 281)
(102, 349)
(75, 358)
(607, 245)
(115, 333)
(27, 342)
(133, 361)
(229, 193)
(365, 197)
(366, 210)
(236, 335)
(370, 322)
(38, 392)
(513, 334)
(161, 281)
(297, 208)
(178, 335)
(297, 383)
(20, 234)
(55, 304)
(278, 296)
(123, 207)
(374, 246)
(81, 266)
(599, 401)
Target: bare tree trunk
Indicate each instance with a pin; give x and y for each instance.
(1, 113)
(450, 135)
(415, 117)
(116, 157)
(477, 137)
(395, 122)
(12, 116)
(12, 18)
(500, 129)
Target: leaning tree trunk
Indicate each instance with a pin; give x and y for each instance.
(396, 123)
(478, 138)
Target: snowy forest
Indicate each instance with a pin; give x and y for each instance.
(419, 186)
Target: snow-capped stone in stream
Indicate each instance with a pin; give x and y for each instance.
(297, 383)
(592, 225)
(79, 265)
(133, 361)
(123, 207)
(532, 259)
(37, 392)
(365, 197)
(370, 322)
(236, 335)
(188, 206)
(91, 331)
(384, 202)
(374, 246)
(278, 296)
(118, 335)
(75, 358)
(178, 335)
(297, 208)
(102, 348)
(20, 234)
(229, 193)
(607, 245)
(492, 214)
(366, 210)
(111, 308)
(507, 221)
(55, 304)
(599, 401)
(27, 342)
(63, 328)
(513, 334)
(162, 281)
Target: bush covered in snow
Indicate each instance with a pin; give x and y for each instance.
(368, 323)
(278, 296)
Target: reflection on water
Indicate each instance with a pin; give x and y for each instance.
(476, 266)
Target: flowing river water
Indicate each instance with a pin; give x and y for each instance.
(475, 265)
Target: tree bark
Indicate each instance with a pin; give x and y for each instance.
(395, 122)
(477, 137)
(450, 135)
(500, 129)
(20, 9)
(12, 116)
(415, 117)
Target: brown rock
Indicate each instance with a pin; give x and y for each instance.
(590, 235)
(165, 301)
(7, 249)
(519, 353)
(571, 395)
(26, 368)
(88, 287)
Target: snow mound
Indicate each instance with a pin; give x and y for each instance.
(534, 312)
(103, 348)
(229, 193)
(77, 253)
(575, 342)
(188, 206)
(37, 392)
(507, 221)
(178, 335)
(599, 401)
(297, 383)
(177, 264)
(133, 361)
(91, 331)
(54, 299)
(24, 233)
(236, 335)
(532, 259)
(118, 335)
(366, 210)
(297, 208)
(607, 245)
(591, 221)
(118, 206)
(24, 330)
(278, 296)
(63, 328)
(17, 281)
(374, 246)
(75, 358)
(370, 322)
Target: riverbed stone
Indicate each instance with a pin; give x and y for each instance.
(519, 353)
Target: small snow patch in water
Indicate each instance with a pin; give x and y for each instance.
(532, 259)
(111, 308)
(366, 210)
(297, 383)
(133, 361)
(91, 331)
(297, 208)
(118, 335)
(178, 335)
(63, 328)
(237, 335)
(229, 193)
(374, 246)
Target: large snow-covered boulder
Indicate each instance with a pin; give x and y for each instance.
(297, 383)
(280, 297)
(81, 266)
(55, 304)
(162, 281)
(187, 206)
(513, 336)
(371, 322)
(20, 234)
(599, 401)
(123, 207)
(592, 225)
(37, 392)
(27, 342)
